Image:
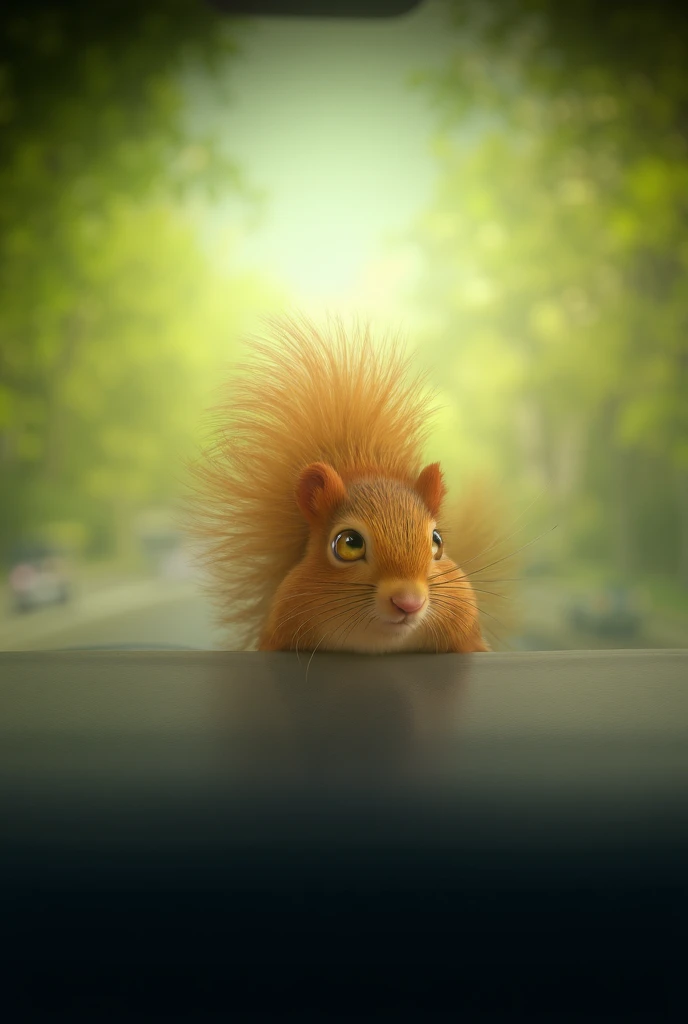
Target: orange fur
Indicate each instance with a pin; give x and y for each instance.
(319, 490)
(321, 431)
(430, 486)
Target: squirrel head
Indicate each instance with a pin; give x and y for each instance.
(375, 544)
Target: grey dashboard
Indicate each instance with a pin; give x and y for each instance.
(399, 828)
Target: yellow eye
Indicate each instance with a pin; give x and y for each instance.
(437, 544)
(348, 546)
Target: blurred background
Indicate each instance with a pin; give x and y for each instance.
(504, 180)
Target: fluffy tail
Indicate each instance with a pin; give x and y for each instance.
(485, 539)
(304, 394)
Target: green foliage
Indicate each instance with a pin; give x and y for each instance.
(113, 318)
(557, 246)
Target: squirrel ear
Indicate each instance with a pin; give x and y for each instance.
(319, 489)
(430, 486)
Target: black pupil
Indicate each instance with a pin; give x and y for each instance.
(436, 539)
(353, 540)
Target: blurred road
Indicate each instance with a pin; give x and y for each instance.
(141, 612)
(545, 625)
(154, 612)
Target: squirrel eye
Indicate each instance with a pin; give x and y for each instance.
(348, 546)
(437, 544)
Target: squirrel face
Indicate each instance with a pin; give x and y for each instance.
(384, 538)
(365, 582)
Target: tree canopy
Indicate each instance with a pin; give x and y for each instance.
(557, 260)
(112, 313)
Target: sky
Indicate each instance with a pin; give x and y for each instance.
(323, 119)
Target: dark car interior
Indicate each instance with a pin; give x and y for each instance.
(195, 834)
(403, 834)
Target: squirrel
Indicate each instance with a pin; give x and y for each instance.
(322, 528)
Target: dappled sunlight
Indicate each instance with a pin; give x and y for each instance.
(507, 194)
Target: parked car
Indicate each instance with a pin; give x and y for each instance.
(611, 611)
(39, 576)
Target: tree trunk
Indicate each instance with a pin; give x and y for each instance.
(623, 503)
(55, 411)
(682, 560)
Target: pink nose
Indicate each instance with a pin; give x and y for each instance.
(408, 603)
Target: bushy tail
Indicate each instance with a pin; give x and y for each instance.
(484, 539)
(304, 394)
